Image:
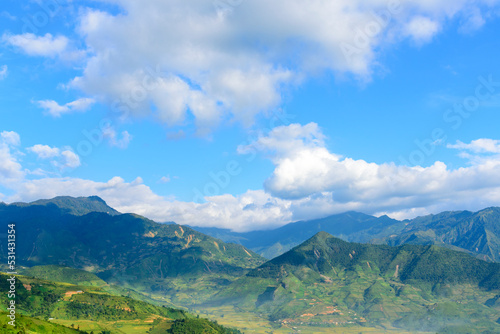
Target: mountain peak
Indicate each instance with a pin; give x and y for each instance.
(77, 206)
(322, 235)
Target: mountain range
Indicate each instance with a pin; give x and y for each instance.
(326, 280)
(124, 248)
(476, 233)
(382, 275)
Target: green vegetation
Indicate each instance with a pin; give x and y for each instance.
(113, 273)
(195, 326)
(476, 233)
(128, 250)
(330, 282)
(64, 274)
(44, 307)
(28, 325)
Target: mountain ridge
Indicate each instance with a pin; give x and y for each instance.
(452, 229)
(126, 249)
(72, 205)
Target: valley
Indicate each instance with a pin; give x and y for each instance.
(106, 271)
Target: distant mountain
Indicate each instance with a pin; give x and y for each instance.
(75, 206)
(474, 233)
(326, 281)
(353, 226)
(127, 249)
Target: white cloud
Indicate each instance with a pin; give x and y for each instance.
(44, 151)
(473, 21)
(10, 169)
(235, 62)
(10, 138)
(61, 158)
(71, 159)
(308, 182)
(114, 140)
(46, 46)
(483, 145)
(422, 29)
(249, 211)
(304, 168)
(254, 209)
(3, 72)
(165, 179)
(56, 110)
(7, 15)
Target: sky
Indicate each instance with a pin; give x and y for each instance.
(250, 114)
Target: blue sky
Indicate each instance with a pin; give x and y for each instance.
(252, 114)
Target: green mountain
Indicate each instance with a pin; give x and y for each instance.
(352, 226)
(474, 233)
(76, 206)
(44, 306)
(127, 249)
(327, 282)
(123, 260)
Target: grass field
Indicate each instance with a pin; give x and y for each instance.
(252, 323)
(115, 327)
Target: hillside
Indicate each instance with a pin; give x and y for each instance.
(327, 282)
(64, 274)
(45, 306)
(324, 282)
(127, 249)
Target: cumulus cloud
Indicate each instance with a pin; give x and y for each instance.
(3, 72)
(44, 151)
(10, 138)
(305, 168)
(109, 133)
(483, 145)
(54, 109)
(61, 158)
(165, 179)
(473, 20)
(10, 169)
(308, 182)
(71, 159)
(479, 151)
(47, 45)
(254, 209)
(180, 60)
(422, 29)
